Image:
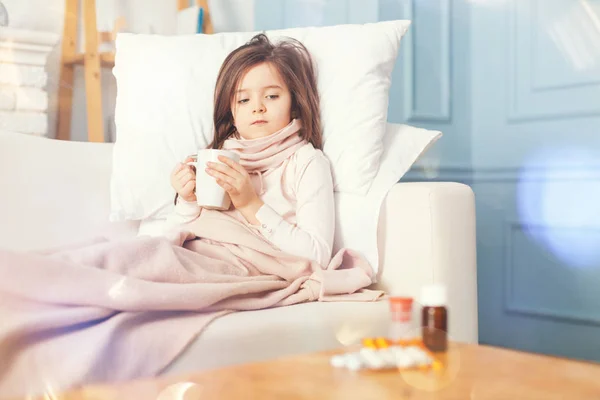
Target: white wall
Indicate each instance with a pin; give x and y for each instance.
(143, 16)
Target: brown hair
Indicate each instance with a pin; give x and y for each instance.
(295, 65)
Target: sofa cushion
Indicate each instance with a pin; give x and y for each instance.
(250, 336)
(54, 192)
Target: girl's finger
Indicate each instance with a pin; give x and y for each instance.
(188, 187)
(183, 173)
(183, 180)
(223, 169)
(228, 188)
(232, 164)
(220, 176)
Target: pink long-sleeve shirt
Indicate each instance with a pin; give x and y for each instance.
(298, 215)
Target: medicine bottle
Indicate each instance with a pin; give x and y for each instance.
(434, 317)
(401, 310)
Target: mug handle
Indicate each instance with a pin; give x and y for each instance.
(193, 163)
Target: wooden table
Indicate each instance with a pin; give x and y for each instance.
(471, 372)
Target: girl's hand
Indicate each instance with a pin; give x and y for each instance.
(236, 181)
(183, 180)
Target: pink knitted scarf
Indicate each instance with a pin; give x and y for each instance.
(262, 154)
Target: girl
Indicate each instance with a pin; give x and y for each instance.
(267, 110)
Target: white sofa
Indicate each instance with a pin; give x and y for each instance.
(55, 192)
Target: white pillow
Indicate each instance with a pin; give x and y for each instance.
(164, 105)
(358, 215)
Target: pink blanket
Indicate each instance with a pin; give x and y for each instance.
(117, 310)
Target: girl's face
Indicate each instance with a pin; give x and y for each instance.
(262, 104)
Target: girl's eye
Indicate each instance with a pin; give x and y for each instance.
(242, 101)
(273, 96)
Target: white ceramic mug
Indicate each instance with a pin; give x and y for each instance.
(209, 194)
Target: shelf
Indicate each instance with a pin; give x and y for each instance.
(106, 59)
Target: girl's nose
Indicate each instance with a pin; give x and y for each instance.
(259, 107)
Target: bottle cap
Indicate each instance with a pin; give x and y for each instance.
(406, 301)
(398, 303)
(433, 295)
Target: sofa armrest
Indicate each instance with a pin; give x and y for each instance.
(54, 192)
(426, 234)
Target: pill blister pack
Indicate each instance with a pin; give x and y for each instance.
(383, 357)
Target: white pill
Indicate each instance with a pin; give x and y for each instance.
(388, 356)
(397, 350)
(414, 353)
(404, 360)
(338, 361)
(372, 359)
(420, 356)
(353, 363)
